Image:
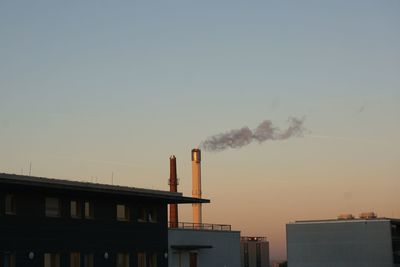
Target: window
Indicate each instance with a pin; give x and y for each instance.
(52, 207)
(142, 215)
(51, 260)
(144, 258)
(75, 259)
(89, 211)
(122, 213)
(10, 204)
(148, 214)
(246, 254)
(258, 255)
(9, 259)
(153, 260)
(75, 209)
(141, 259)
(152, 214)
(396, 243)
(88, 260)
(123, 260)
(192, 259)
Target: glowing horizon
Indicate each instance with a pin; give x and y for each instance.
(107, 92)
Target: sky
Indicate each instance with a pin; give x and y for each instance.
(95, 89)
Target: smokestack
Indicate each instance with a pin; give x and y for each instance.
(196, 185)
(173, 187)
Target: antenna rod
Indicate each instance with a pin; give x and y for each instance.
(30, 168)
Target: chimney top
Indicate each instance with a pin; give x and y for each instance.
(196, 155)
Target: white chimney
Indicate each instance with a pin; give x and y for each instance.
(196, 184)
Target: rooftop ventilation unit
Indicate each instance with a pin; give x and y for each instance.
(368, 215)
(345, 216)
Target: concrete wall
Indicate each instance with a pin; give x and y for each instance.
(361, 243)
(225, 251)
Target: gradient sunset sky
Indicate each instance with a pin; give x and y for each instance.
(91, 88)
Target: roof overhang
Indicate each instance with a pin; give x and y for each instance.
(86, 187)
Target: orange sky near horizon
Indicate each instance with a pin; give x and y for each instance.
(89, 90)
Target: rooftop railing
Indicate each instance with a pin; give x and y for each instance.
(253, 238)
(200, 226)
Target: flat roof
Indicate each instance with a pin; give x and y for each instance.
(379, 219)
(52, 183)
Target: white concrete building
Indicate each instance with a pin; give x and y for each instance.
(205, 245)
(345, 242)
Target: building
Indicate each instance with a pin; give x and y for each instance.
(60, 223)
(367, 241)
(197, 243)
(204, 245)
(254, 251)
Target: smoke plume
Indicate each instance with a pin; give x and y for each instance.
(241, 137)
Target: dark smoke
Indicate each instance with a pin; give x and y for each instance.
(241, 137)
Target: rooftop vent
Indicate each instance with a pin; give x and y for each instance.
(345, 216)
(368, 215)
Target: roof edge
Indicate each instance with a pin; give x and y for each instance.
(170, 197)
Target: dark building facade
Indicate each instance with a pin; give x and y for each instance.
(59, 223)
(254, 251)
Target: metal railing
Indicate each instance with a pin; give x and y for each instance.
(200, 226)
(253, 238)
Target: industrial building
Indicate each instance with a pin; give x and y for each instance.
(59, 223)
(367, 241)
(254, 251)
(203, 245)
(196, 243)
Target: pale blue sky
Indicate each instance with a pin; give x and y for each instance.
(93, 87)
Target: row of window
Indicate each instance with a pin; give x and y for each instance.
(84, 209)
(78, 259)
(53, 208)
